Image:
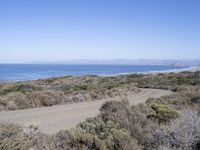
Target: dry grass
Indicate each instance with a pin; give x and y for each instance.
(12, 137)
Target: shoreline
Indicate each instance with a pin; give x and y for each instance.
(190, 69)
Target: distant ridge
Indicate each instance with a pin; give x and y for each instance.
(167, 62)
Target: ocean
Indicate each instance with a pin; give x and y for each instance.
(24, 72)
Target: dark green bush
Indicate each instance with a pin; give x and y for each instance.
(195, 99)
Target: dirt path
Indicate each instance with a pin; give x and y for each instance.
(52, 119)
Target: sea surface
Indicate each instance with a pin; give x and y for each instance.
(23, 72)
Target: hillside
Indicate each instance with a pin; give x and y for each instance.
(168, 122)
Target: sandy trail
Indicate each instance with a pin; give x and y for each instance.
(53, 119)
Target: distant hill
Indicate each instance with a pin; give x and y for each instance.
(132, 62)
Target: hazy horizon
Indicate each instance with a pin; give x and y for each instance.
(57, 31)
(146, 62)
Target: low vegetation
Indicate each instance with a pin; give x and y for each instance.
(171, 81)
(63, 90)
(163, 113)
(119, 126)
(167, 123)
(13, 137)
(70, 89)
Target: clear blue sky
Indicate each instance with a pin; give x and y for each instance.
(59, 30)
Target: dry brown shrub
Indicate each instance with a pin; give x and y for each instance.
(12, 137)
(182, 133)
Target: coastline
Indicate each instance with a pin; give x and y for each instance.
(190, 69)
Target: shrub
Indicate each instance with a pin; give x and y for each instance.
(19, 87)
(163, 113)
(195, 99)
(135, 122)
(80, 140)
(44, 98)
(12, 137)
(108, 131)
(182, 133)
(14, 101)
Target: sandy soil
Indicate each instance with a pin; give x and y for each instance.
(53, 119)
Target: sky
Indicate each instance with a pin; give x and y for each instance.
(63, 30)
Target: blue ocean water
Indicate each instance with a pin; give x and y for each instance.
(22, 72)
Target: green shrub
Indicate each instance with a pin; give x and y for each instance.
(80, 139)
(195, 99)
(108, 131)
(51, 80)
(163, 113)
(19, 87)
(130, 118)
